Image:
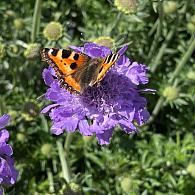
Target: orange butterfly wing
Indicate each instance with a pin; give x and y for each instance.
(65, 63)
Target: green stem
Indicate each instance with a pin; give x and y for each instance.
(68, 141)
(183, 60)
(157, 109)
(162, 50)
(50, 178)
(154, 26)
(159, 30)
(36, 20)
(64, 162)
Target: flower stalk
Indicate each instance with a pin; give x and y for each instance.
(183, 60)
(162, 50)
(68, 140)
(51, 183)
(158, 31)
(64, 162)
(36, 20)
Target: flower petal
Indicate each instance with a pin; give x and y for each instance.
(4, 120)
(94, 50)
(137, 73)
(127, 126)
(48, 108)
(84, 128)
(5, 149)
(123, 49)
(47, 76)
(4, 135)
(105, 137)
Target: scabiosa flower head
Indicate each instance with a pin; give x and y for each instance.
(115, 101)
(8, 173)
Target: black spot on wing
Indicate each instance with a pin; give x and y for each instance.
(66, 53)
(76, 56)
(73, 65)
(54, 52)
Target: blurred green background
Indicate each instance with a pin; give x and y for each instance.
(161, 34)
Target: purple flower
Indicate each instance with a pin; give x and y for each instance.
(8, 173)
(116, 101)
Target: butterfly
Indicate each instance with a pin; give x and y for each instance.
(77, 71)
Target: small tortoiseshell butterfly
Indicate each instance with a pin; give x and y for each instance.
(77, 71)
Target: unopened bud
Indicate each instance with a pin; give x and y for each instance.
(53, 31)
(170, 7)
(171, 93)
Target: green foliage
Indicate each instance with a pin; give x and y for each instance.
(160, 159)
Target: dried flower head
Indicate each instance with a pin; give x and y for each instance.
(53, 31)
(115, 101)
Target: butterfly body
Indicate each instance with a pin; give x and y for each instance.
(77, 71)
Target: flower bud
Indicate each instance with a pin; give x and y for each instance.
(21, 137)
(2, 50)
(19, 23)
(105, 41)
(46, 150)
(87, 139)
(13, 48)
(191, 75)
(191, 27)
(191, 169)
(53, 31)
(32, 50)
(191, 24)
(170, 7)
(126, 184)
(10, 13)
(126, 6)
(171, 93)
(75, 188)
